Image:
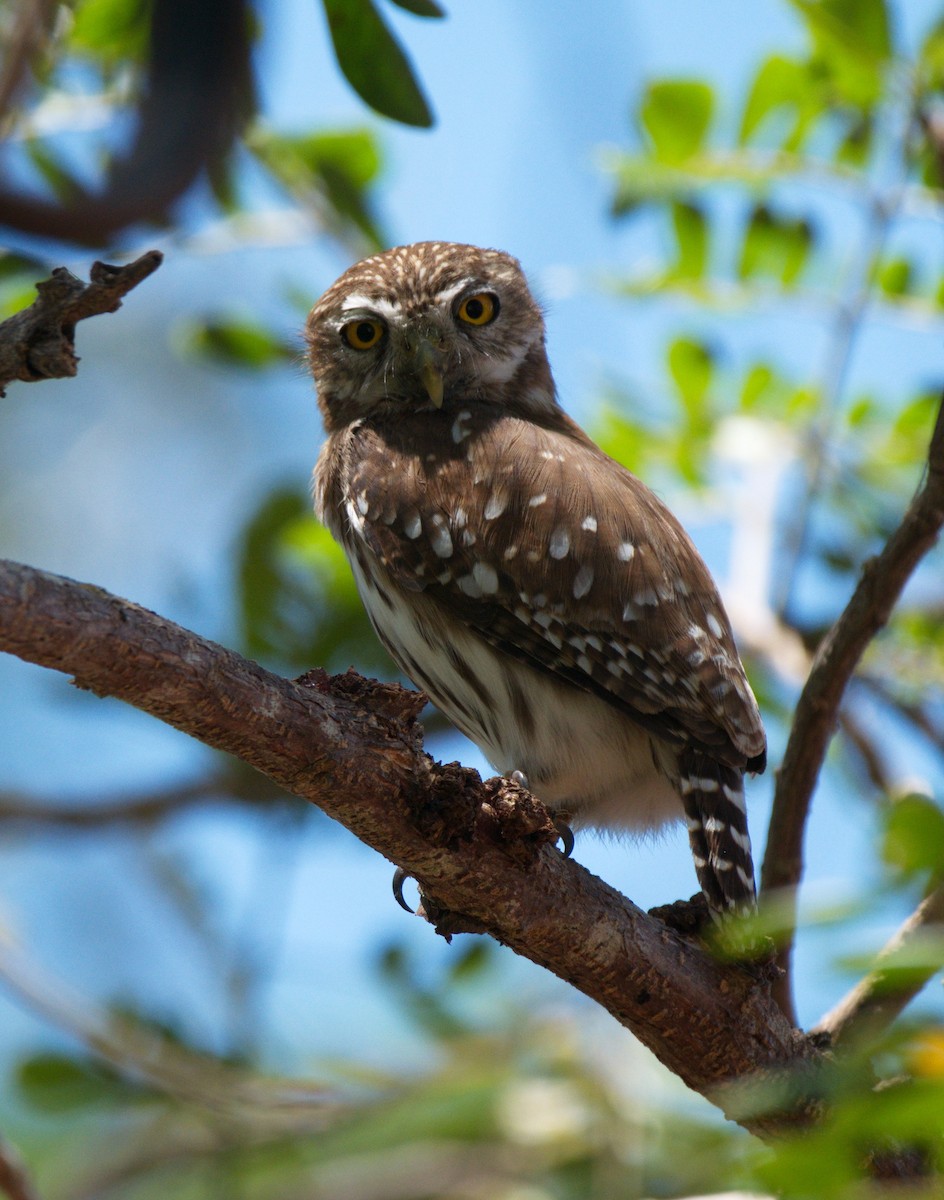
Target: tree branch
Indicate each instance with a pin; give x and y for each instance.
(876, 1001)
(14, 1182)
(39, 342)
(483, 850)
(144, 808)
(814, 722)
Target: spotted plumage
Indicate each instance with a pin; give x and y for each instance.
(541, 595)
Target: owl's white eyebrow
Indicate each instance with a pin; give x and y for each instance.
(383, 308)
(450, 293)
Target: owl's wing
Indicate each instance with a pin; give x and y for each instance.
(561, 558)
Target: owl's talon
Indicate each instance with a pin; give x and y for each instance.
(399, 879)
(520, 779)
(566, 835)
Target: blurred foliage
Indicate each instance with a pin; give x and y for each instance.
(96, 53)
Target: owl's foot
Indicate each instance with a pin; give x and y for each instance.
(564, 831)
(399, 879)
(566, 835)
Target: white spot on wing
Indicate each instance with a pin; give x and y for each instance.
(497, 502)
(583, 581)
(538, 500)
(441, 541)
(590, 524)
(486, 577)
(626, 551)
(559, 544)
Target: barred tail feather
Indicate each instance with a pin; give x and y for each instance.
(713, 799)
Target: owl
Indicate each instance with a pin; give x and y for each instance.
(539, 593)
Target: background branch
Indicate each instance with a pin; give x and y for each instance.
(909, 961)
(879, 587)
(82, 813)
(483, 850)
(39, 342)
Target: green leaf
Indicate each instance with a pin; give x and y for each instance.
(472, 962)
(51, 167)
(111, 30)
(774, 246)
(852, 42)
(762, 389)
(16, 266)
(913, 838)
(239, 343)
(676, 115)
(931, 59)
(856, 144)
(54, 1083)
(691, 365)
(373, 62)
(852, 27)
(895, 276)
(691, 235)
(298, 601)
(778, 84)
(338, 166)
(421, 8)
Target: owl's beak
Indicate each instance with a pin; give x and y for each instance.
(429, 370)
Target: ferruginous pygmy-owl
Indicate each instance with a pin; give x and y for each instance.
(547, 602)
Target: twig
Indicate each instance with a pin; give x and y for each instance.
(479, 849)
(144, 1056)
(39, 342)
(14, 1182)
(876, 1001)
(876, 593)
(143, 809)
(915, 713)
(29, 28)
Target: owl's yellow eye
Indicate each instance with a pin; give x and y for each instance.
(478, 309)
(362, 334)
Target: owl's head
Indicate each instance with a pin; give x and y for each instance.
(426, 327)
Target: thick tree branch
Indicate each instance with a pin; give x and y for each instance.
(816, 716)
(905, 965)
(39, 342)
(483, 850)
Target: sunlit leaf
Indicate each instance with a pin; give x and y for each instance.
(774, 246)
(852, 40)
(691, 235)
(913, 838)
(239, 343)
(676, 114)
(338, 166)
(111, 30)
(779, 83)
(374, 63)
(691, 365)
(931, 58)
(858, 27)
(761, 384)
(895, 276)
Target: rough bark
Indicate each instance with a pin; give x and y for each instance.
(39, 342)
(483, 850)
